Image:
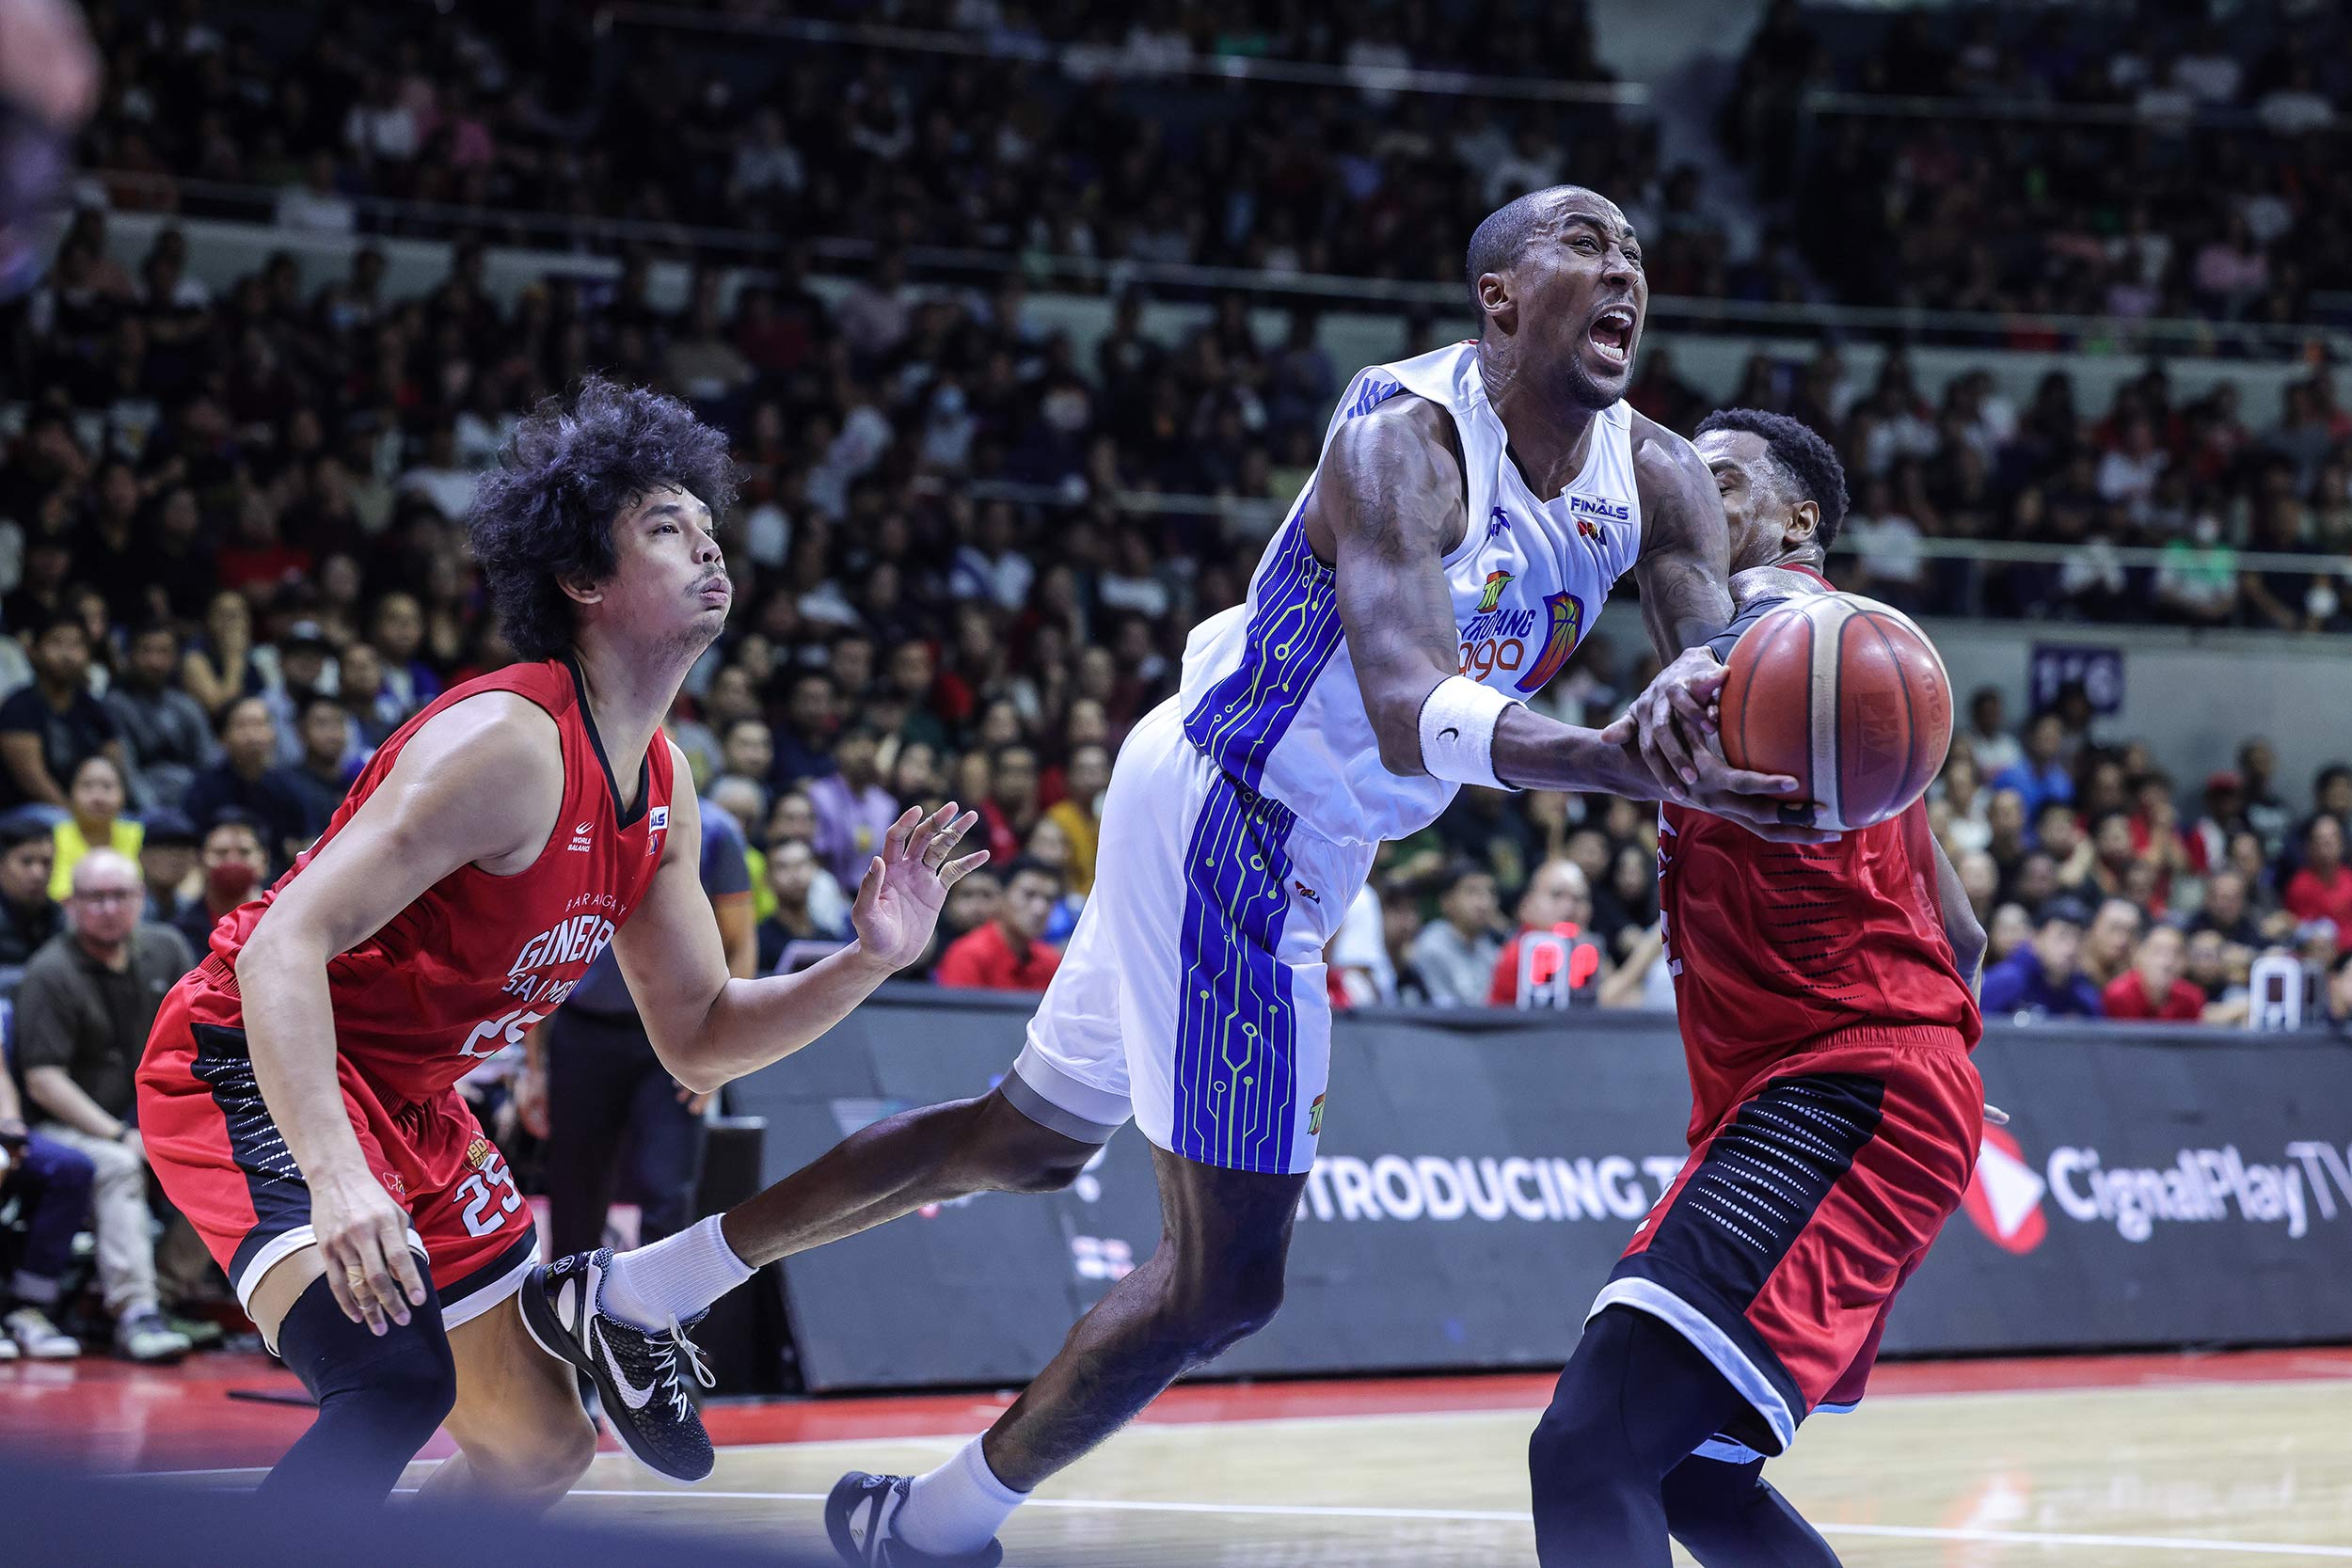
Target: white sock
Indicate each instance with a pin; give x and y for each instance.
(957, 1508)
(675, 1278)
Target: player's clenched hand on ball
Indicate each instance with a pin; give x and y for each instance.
(899, 897)
(1761, 803)
(1674, 717)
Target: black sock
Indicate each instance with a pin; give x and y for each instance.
(1729, 1516)
(1635, 1400)
(379, 1398)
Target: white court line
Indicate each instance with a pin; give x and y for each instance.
(2335, 1372)
(1506, 1516)
(1495, 1516)
(951, 1441)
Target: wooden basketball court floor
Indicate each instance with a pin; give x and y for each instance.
(2134, 1461)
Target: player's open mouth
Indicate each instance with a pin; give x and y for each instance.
(1611, 334)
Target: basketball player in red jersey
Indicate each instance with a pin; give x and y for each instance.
(1826, 994)
(297, 1097)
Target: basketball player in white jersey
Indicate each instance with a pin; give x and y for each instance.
(1472, 509)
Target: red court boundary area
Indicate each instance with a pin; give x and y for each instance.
(114, 1416)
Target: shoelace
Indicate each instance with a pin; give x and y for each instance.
(668, 1353)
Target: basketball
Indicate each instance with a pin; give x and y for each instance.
(1848, 696)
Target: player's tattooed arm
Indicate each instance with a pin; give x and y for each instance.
(1386, 510)
(1961, 926)
(1388, 506)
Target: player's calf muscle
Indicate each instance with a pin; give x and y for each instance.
(928, 1155)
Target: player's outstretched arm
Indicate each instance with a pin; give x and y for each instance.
(1388, 507)
(707, 1025)
(481, 784)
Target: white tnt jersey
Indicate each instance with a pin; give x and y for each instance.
(1269, 692)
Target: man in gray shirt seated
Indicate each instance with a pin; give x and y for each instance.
(1455, 954)
(83, 1013)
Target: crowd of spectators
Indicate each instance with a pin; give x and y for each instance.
(2188, 167)
(527, 109)
(231, 564)
(1049, 131)
(2108, 890)
(2155, 469)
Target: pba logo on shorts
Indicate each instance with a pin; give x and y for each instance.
(2005, 1197)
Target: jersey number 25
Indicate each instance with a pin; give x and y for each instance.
(493, 1184)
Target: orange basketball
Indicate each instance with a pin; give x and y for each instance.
(1847, 695)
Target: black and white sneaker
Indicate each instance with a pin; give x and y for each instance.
(636, 1372)
(859, 1516)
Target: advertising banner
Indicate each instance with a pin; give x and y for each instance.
(1480, 1172)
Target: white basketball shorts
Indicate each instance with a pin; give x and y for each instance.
(1192, 994)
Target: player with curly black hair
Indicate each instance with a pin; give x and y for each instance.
(542, 520)
(298, 1094)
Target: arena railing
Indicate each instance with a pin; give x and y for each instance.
(1264, 512)
(1825, 101)
(1966, 591)
(1095, 61)
(398, 216)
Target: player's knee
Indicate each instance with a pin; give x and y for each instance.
(412, 1390)
(1212, 1316)
(1567, 1442)
(400, 1387)
(1582, 1435)
(538, 1464)
(1703, 1494)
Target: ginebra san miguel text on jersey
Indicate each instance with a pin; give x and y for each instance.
(1269, 692)
(467, 968)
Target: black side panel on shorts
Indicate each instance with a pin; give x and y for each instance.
(526, 1246)
(1764, 1175)
(281, 1200)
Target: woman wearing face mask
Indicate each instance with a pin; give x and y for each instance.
(95, 794)
(234, 864)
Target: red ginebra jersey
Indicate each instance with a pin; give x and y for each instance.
(1774, 947)
(463, 972)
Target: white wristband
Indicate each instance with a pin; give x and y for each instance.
(1457, 732)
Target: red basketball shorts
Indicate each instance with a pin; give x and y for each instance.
(1780, 1247)
(210, 1142)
